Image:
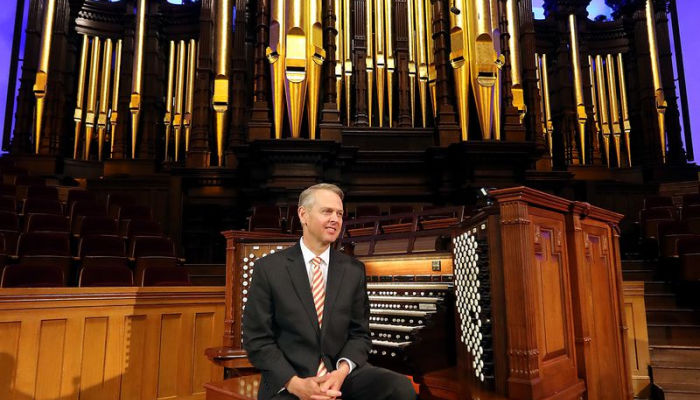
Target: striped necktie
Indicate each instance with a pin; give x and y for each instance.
(318, 290)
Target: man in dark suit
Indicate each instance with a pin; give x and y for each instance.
(306, 322)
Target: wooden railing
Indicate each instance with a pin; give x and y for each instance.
(108, 343)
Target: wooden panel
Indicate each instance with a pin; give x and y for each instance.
(604, 310)
(552, 299)
(203, 331)
(52, 337)
(9, 345)
(409, 265)
(135, 336)
(94, 357)
(170, 336)
(637, 338)
(108, 343)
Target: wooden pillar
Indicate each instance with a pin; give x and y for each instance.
(513, 127)
(330, 127)
(151, 125)
(199, 151)
(238, 94)
(25, 100)
(404, 96)
(260, 125)
(675, 154)
(447, 120)
(122, 132)
(528, 47)
(359, 73)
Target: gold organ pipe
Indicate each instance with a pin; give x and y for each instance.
(168, 119)
(115, 94)
(411, 60)
(578, 85)
(626, 127)
(603, 106)
(179, 92)
(369, 60)
(136, 84)
(514, 57)
(614, 111)
(275, 55)
(459, 59)
(315, 58)
(189, 98)
(347, 55)
(656, 76)
(42, 73)
(104, 97)
(594, 97)
(430, 59)
(594, 100)
(547, 104)
(221, 80)
(484, 59)
(390, 61)
(422, 66)
(380, 55)
(500, 61)
(339, 56)
(538, 75)
(80, 95)
(92, 95)
(295, 63)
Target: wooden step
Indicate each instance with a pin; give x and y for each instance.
(678, 391)
(659, 300)
(679, 335)
(670, 373)
(672, 316)
(657, 287)
(637, 264)
(638, 275)
(680, 356)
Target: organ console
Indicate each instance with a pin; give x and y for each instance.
(498, 303)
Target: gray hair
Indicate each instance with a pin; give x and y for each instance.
(306, 198)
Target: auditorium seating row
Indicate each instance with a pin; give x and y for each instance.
(672, 231)
(48, 242)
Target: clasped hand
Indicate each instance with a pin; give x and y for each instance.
(326, 387)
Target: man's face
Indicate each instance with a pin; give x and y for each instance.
(322, 222)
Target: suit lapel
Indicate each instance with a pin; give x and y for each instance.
(300, 281)
(335, 277)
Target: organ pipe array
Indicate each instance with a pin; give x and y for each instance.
(101, 101)
(295, 54)
(180, 94)
(610, 106)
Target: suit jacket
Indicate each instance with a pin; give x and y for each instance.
(280, 326)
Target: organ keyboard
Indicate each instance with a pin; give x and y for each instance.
(408, 323)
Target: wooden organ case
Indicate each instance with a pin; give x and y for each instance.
(538, 294)
(525, 302)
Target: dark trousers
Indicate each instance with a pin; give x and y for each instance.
(370, 383)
